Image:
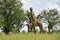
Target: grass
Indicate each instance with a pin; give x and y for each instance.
(30, 36)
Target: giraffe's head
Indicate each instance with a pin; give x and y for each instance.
(31, 9)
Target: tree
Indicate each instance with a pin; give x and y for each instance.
(51, 16)
(12, 13)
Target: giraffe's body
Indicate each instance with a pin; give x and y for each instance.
(34, 22)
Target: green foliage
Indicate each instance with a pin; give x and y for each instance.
(51, 16)
(11, 13)
(29, 16)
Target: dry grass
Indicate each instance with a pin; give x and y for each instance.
(30, 36)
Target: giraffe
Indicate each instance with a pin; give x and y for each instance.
(30, 27)
(35, 22)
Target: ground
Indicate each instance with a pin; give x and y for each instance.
(30, 36)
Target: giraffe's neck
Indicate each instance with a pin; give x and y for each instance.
(33, 16)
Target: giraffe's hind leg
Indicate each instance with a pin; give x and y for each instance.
(34, 30)
(41, 27)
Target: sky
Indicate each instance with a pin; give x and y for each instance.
(39, 5)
